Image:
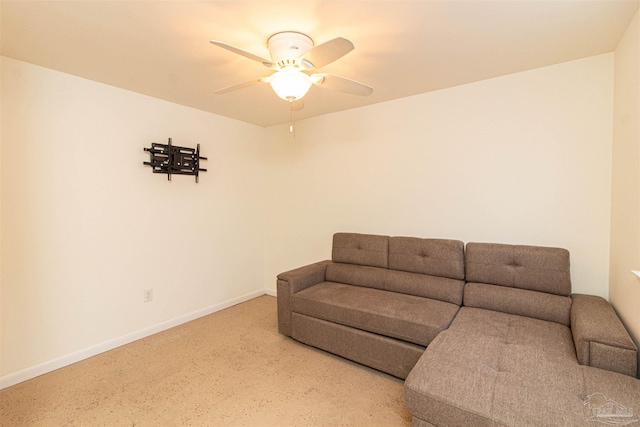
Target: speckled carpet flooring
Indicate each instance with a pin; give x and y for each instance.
(231, 368)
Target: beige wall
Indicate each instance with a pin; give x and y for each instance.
(86, 226)
(625, 196)
(524, 158)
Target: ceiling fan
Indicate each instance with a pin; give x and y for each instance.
(293, 57)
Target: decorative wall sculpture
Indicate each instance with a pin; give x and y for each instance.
(174, 160)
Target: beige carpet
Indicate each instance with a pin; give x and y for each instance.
(229, 368)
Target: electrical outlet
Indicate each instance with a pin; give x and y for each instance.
(148, 295)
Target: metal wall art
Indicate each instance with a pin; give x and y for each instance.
(174, 160)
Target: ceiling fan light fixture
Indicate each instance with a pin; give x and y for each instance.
(293, 54)
(290, 84)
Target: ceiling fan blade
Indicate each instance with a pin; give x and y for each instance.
(244, 53)
(326, 53)
(341, 84)
(242, 85)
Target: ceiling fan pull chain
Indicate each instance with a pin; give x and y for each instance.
(292, 126)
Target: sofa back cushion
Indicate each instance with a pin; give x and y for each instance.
(422, 285)
(436, 257)
(537, 305)
(361, 249)
(358, 275)
(526, 267)
(529, 281)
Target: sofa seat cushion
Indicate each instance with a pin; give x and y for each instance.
(406, 317)
(491, 368)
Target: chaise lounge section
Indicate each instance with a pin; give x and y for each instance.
(509, 357)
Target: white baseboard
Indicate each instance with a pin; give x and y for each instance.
(271, 292)
(62, 361)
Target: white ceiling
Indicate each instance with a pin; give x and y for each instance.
(403, 48)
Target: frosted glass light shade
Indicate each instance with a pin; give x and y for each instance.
(290, 85)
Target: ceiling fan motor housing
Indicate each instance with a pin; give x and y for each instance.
(287, 47)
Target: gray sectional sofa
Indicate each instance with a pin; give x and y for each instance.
(490, 337)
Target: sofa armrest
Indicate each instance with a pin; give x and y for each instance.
(600, 338)
(294, 281)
